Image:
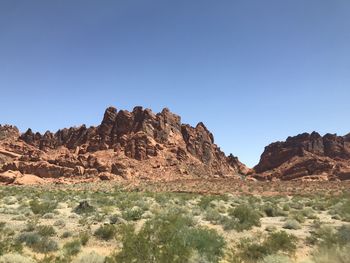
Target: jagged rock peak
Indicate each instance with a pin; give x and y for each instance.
(8, 132)
(124, 143)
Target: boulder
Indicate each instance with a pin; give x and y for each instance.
(9, 176)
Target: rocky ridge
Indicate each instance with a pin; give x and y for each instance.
(306, 157)
(126, 145)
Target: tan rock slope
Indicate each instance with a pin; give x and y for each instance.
(307, 157)
(129, 145)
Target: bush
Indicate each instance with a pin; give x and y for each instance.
(84, 238)
(41, 208)
(212, 215)
(84, 208)
(281, 241)
(272, 210)
(134, 213)
(207, 242)
(332, 255)
(253, 250)
(247, 217)
(344, 211)
(291, 224)
(46, 231)
(7, 243)
(328, 237)
(45, 245)
(169, 237)
(106, 232)
(66, 234)
(344, 235)
(29, 238)
(37, 242)
(72, 248)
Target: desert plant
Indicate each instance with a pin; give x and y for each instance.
(291, 224)
(42, 208)
(134, 213)
(169, 237)
(332, 255)
(84, 237)
(84, 208)
(46, 231)
(280, 241)
(247, 217)
(105, 232)
(66, 234)
(72, 248)
(37, 242)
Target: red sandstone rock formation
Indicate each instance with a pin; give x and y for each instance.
(307, 157)
(137, 144)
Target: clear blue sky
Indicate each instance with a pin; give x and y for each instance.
(253, 71)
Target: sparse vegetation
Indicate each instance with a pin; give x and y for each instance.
(144, 226)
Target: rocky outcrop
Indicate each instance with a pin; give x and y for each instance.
(306, 156)
(136, 144)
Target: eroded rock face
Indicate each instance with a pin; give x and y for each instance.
(8, 132)
(306, 156)
(126, 145)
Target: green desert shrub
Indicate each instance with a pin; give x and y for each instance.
(344, 211)
(332, 255)
(206, 200)
(246, 216)
(37, 242)
(8, 244)
(298, 215)
(29, 238)
(343, 235)
(170, 237)
(254, 250)
(46, 231)
(72, 248)
(212, 215)
(84, 208)
(84, 237)
(45, 245)
(228, 223)
(66, 234)
(41, 208)
(281, 241)
(291, 224)
(115, 219)
(329, 237)
(134, 213)
(272, 210)
(106, 232)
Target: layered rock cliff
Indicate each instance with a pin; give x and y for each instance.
(136, 144)
(308, 157)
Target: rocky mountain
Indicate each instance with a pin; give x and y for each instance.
(130, 145)
(307, 157)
